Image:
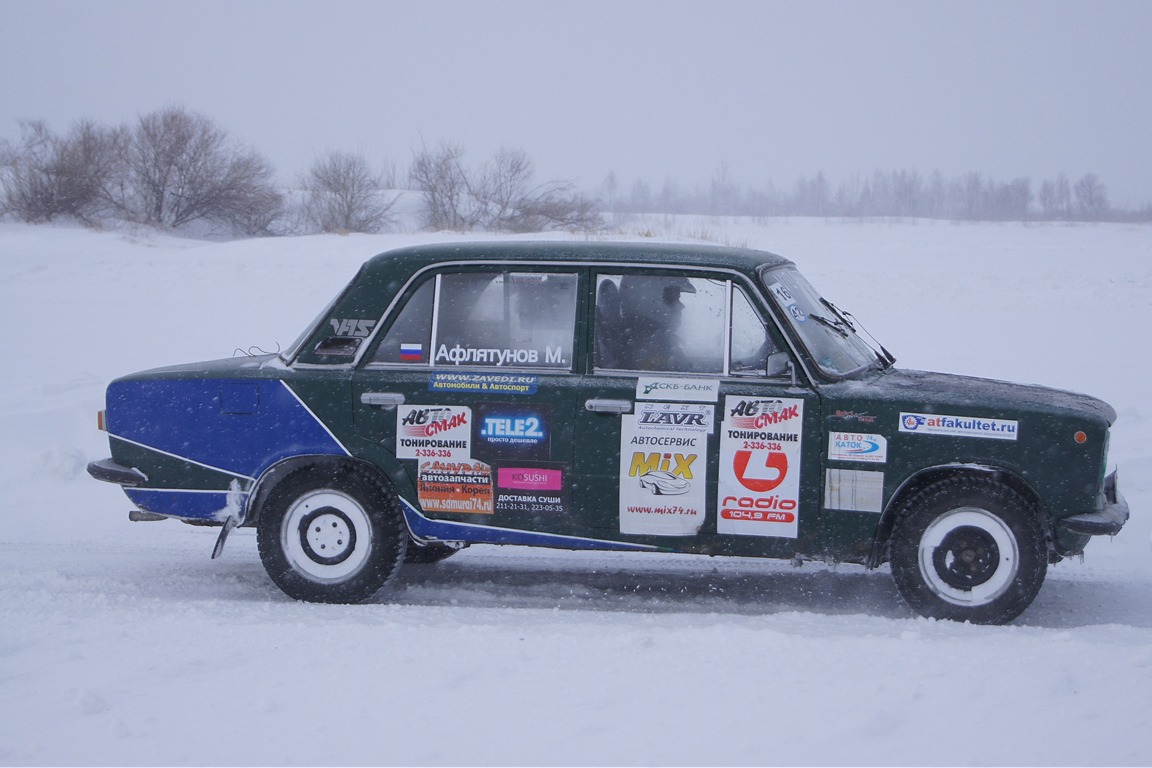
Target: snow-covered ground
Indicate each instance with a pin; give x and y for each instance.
(123, 643)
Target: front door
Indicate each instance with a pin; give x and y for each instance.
(693, 434)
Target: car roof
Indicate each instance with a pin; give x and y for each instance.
(413, 258)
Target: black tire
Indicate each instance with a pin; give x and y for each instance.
(969, 549)
(331, 534)
(424, 554)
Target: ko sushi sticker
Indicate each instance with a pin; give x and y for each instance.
(663, 468)
(759, 483)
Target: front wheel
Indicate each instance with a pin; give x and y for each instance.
(969, 549)
(330, 535)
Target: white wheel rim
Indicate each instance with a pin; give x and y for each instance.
(1003, 566)
(326, 536)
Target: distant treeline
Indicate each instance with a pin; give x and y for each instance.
(971, 197)
(175, 169)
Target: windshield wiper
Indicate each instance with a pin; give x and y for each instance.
(886, 358)
(838, 326)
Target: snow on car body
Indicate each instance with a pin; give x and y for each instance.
(614, 396)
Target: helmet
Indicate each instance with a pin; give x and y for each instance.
(654, 298)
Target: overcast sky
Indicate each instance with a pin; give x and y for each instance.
(650, 90)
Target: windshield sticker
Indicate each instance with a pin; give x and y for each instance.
(696, 390)
(464, 487)
(958, 426)
(411, 353)
(494, 383)
(854, 490)
(786, 300)
(664, 468)
(433, 432)
(759, 483)
(856, 446)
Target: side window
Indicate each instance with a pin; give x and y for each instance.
(750, 343)
(410, 337)
(660, 323)
(503, 319)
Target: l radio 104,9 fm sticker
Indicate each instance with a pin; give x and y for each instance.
(759, 482)
(664, 468)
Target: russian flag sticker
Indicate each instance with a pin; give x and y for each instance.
(411, 353)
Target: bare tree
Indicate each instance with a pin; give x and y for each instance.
(343, 194)
(500, 196)
(1091, 198)
(181, 168)
(49, 176)
(441, 179)
(511, 203)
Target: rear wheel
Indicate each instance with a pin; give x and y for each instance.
(969, 549)
(331, 535)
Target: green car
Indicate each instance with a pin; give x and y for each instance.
(613, 396)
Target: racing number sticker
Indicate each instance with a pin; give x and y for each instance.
(759, 483)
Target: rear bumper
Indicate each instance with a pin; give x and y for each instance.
(111, 472)
(1107, 520)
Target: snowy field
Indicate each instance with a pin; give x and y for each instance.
(123, 643)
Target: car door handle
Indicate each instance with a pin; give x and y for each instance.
(618, 407)
(382, 399)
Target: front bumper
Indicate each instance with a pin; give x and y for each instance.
(1107, 520)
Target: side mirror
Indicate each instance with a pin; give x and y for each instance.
(779, 365)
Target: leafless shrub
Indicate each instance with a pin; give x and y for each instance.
(440, 178)
(48, 176)
(181, 168)
(343, 194)
(499, 196)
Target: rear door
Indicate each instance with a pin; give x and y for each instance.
(471, 388)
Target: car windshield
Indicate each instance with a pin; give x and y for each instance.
(823, 329)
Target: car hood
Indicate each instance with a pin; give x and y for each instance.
(938, 392)
(228, 367)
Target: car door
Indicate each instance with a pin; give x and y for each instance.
(695, 432)
(469, 388)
